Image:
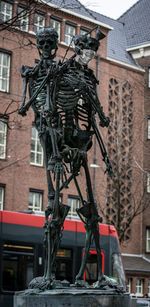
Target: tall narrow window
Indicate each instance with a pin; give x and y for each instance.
(69, 33)
(36, 155)
(74, 204)
(149, 77)
(1, 198)
(148, 182)
(39, 22)
(3, 138)
(35, 200)
(23, 19)
(148, 129)
(148, 240)
(129, 283)
(56, 25)
(149, 288)
(6, 11)
(139, 287)
(4, 71)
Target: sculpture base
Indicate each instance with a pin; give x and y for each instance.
(71, 297)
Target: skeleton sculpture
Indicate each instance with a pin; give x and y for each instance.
(64, 99)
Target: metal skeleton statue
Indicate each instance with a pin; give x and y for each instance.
(64, 99)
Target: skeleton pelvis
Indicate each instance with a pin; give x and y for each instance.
(81, 139)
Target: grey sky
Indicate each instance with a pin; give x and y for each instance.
(110, 8)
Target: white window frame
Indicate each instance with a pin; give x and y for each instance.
(139, 287)
(36, 149)
(23, 19)
(69, 33)
(2, 191)
(6, 14)
(148, 128)
(3, 139)
(74, 203)
(129, 285)
(149, 77)
(35, 200)
(4, 71)
(56, 24)
(39, 23)
(148, 182)
(148, 240)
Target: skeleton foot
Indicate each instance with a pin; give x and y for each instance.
(105, 283)
(81, 283)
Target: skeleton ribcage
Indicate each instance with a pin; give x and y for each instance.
(70, 100)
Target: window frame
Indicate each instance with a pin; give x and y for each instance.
(4, 144)
(2, 67)
(36, 26)
(2, 188)
(139, 286)
(35, 152)
(148, 77)
(148, 183)
(23, 19)
(5, 19)
(129, 284)
(72, 214)
(147, 240)
(35, 193)
(67, 34)
(55, 20)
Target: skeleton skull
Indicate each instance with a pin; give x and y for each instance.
(47, 40)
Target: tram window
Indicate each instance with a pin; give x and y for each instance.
(17, 267)
(91, 271)
(64, 264)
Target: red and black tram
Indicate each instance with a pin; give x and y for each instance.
(22, 254)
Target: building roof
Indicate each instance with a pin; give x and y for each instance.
(136, 263)
(136, 22)
(122, 35)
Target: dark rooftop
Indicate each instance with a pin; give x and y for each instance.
(136, 263)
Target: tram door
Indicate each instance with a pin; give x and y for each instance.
(91, 271)
(17, 266)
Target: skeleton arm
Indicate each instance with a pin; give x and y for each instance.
(102, 148)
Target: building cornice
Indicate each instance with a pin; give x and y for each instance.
(125, 64)
(140, 50)
(104, 25)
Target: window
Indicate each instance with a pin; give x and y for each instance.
(35, 200)
(83, 32)
(139, 287)
(149, 288)
(4, 71)
(23, 19)
(69, 33)
(3, 136)
(129, 283)
(1, 198)
(148, 182)
(74, 204)
(6, 11)
(39, 22)
(56, 25)
(149, 77)
(148, 240)
(148, 129)
(36, 155)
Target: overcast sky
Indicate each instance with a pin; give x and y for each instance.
(110, 8)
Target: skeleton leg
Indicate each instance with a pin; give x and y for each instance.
(91, 224)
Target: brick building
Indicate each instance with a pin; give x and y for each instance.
(122, 67)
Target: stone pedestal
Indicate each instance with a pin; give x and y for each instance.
(71, 298)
